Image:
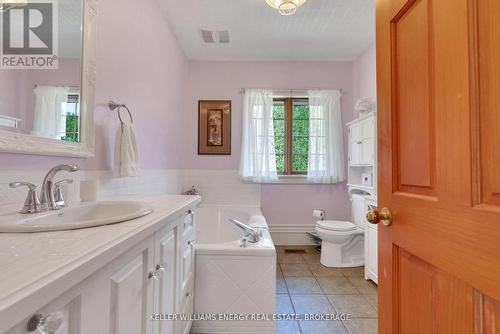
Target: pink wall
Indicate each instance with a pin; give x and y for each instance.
(282, 204)
(138, 63)
(365, 75)
(9, 90)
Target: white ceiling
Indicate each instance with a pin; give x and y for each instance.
(321, 30)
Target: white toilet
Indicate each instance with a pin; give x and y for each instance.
(342, 242)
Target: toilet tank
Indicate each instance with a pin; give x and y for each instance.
(359, 210)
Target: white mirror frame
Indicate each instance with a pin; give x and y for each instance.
(23, 143)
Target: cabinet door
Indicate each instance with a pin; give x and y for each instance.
(187, 271)
(371, 254)
(132, 293)
(368, 142)
(355, 141)
(67, 308)
(165, 244)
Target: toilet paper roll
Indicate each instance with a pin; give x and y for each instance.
(89, 190)
(317, 213)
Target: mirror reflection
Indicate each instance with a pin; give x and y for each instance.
(46, 102)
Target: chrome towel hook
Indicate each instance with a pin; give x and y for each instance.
(113, 105)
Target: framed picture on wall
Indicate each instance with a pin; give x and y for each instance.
(214, 127)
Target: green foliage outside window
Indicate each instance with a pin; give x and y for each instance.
(300, 139)
(279, 135)
(72, 128)
(300, 136)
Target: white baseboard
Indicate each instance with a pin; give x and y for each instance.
(291, 234)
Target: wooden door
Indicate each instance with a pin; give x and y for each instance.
(439, 165)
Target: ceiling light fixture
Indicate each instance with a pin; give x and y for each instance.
(286, 7)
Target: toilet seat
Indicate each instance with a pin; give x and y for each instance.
(334, 225)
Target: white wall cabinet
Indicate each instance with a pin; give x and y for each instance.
(362, 154)
(361, 142)
(363, 163)
(154, 276)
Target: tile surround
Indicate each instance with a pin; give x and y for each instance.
(221, 187)
(323, 290)
(150, 182)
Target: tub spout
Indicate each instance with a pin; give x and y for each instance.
(251, 234)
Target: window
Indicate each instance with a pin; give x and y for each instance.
(72, 118)
(291, 135)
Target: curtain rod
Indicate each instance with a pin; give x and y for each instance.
(300, 90)
(70, 87)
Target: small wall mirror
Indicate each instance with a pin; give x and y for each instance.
(47, 78)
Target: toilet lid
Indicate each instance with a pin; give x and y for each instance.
(334, 225)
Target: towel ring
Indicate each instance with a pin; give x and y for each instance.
(113, 105)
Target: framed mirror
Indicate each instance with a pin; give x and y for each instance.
(47, 77)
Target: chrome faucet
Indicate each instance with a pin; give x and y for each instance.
(51, 197)
(47, 197)
(251, 234)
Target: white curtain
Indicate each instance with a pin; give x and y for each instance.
(50, 111)
(326, 144)
(258, 155)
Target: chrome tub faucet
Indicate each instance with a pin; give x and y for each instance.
(250, 234)
(191, 191)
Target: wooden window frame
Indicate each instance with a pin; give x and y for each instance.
(288, 106)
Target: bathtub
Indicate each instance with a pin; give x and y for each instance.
(230, 279)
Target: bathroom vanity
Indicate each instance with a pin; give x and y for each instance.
(122, 278)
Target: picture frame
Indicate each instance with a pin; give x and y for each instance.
(214, 127)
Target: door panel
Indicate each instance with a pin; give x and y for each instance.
(368, 142)
(355, 142)
(429, 299)
(132, 294)
(167, 298)
(412, 109)
(488, 51)
(438, 76)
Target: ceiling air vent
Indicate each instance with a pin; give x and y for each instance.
(209, 36)
(223, 36)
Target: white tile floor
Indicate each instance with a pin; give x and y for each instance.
(303, 285)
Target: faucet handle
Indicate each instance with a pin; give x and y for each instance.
(30, 186)
(58, 194)
(58, 183)
(32, 203)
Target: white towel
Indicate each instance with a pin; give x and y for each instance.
(126, 155)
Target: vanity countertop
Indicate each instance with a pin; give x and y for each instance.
(38, 266)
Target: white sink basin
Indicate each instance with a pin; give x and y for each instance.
(74, 217)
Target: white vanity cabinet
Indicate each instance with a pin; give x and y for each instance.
(154, 276)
